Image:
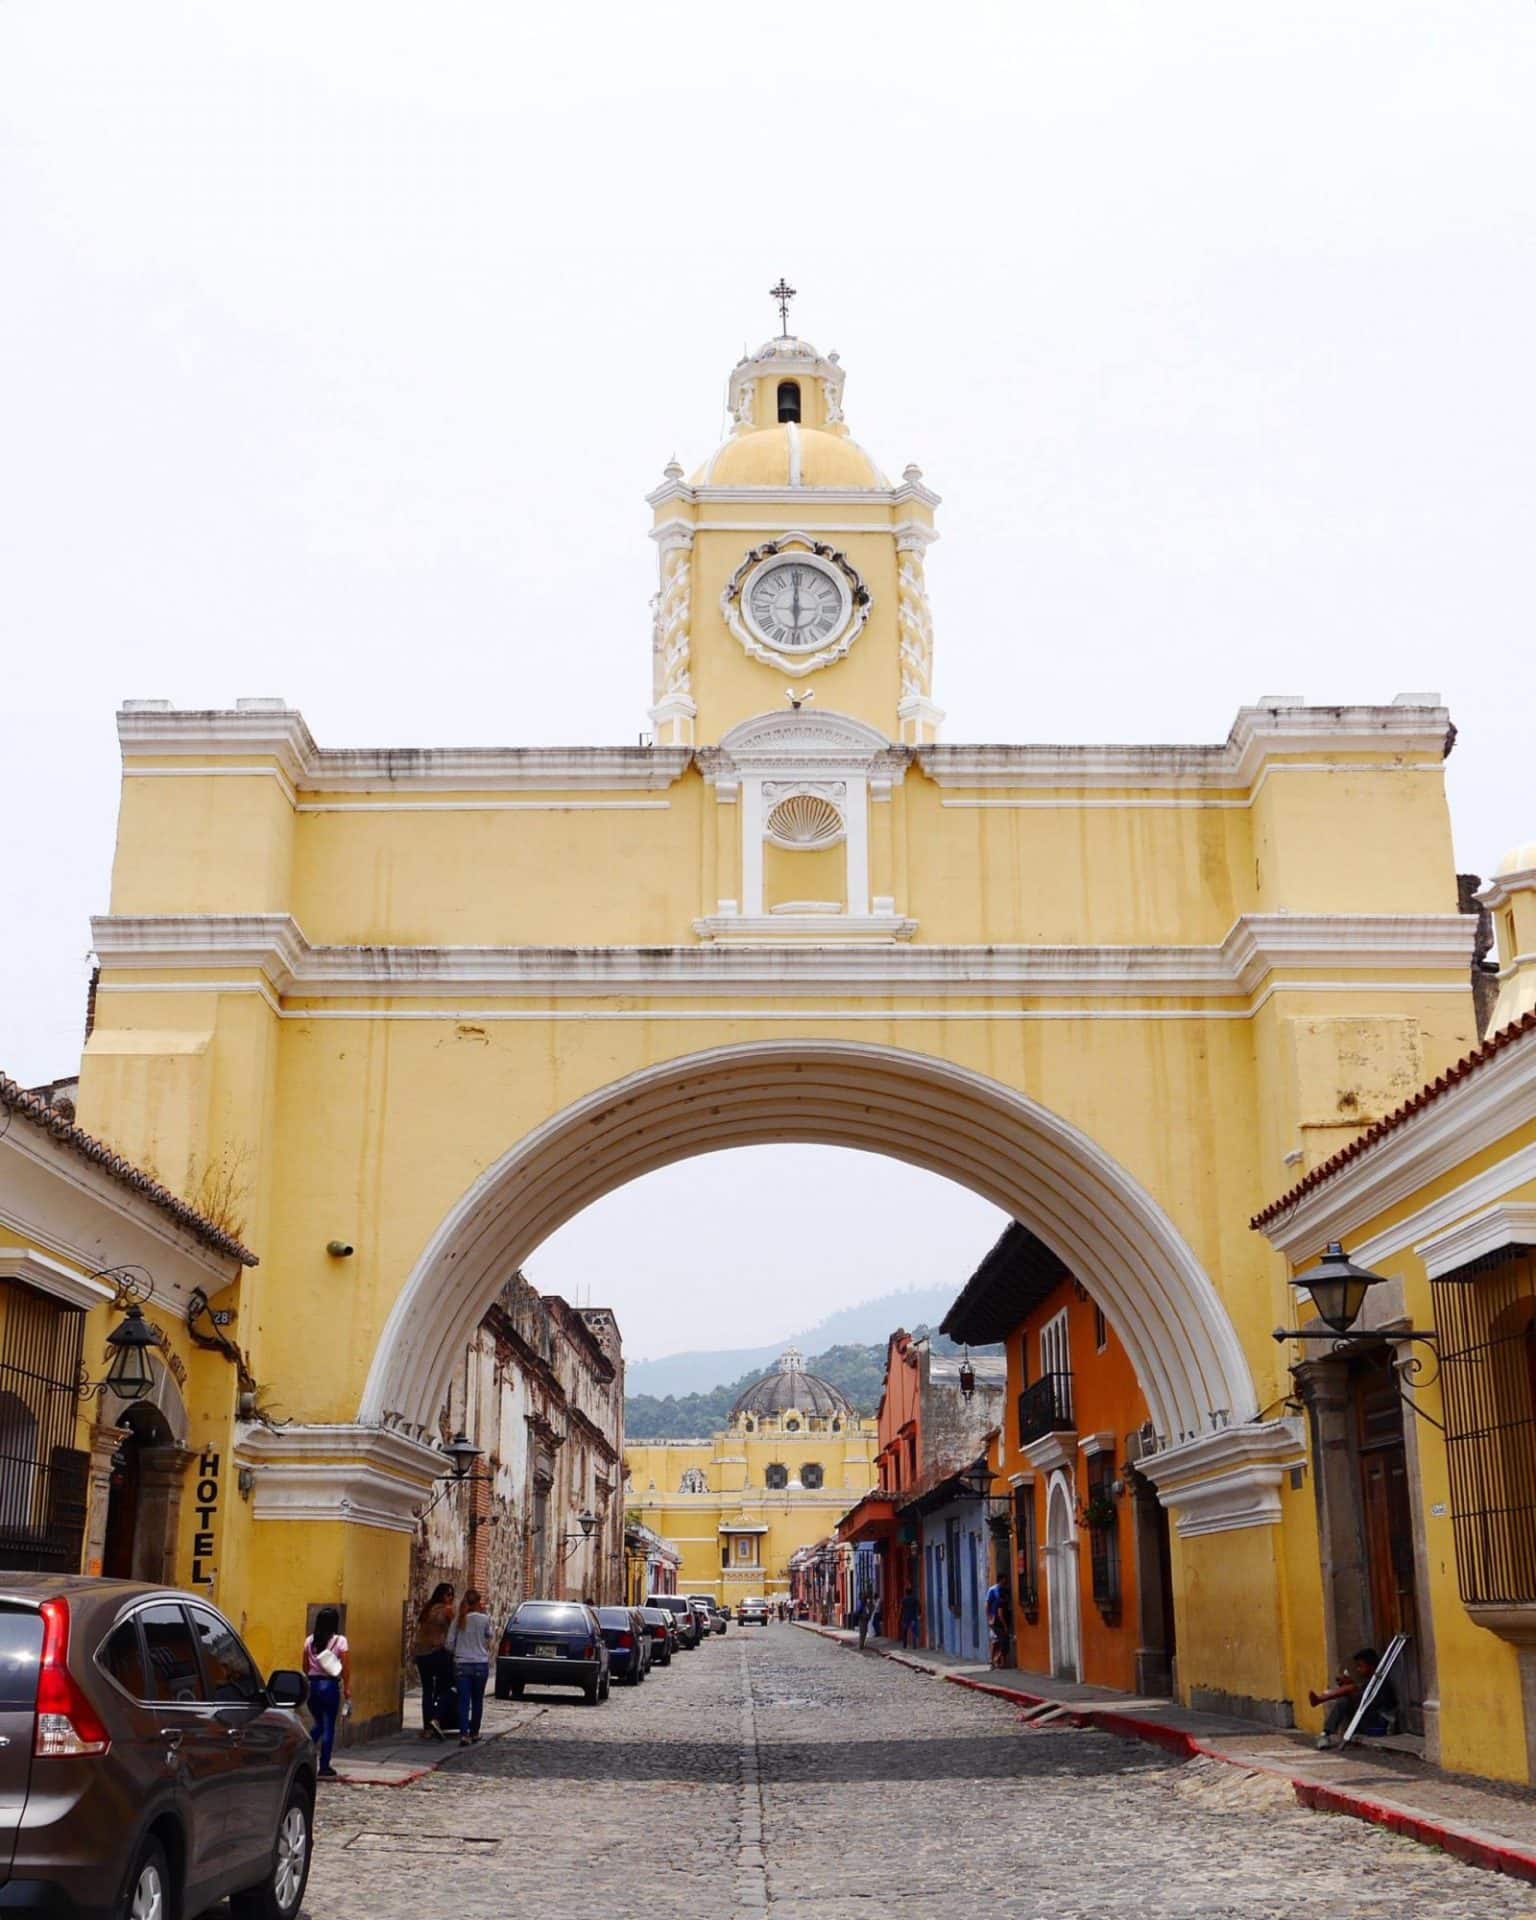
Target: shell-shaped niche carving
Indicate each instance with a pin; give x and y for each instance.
(805, 820)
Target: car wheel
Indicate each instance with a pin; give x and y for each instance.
(589, 1693)
(149, 1885)
(603, 1686)
(279, 1895)
(517, 1689)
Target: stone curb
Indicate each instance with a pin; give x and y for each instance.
(1470, 1844)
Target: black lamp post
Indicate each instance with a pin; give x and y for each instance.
(1338, 1287)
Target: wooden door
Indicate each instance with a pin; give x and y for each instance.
(1386, 1518)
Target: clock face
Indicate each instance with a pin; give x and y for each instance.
(794, 606)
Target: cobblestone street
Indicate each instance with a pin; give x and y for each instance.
(774, 1772)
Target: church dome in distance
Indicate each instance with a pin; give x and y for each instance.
(788, 1387)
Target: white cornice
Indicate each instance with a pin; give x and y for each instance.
(791, 954)
(1511, 1224)
(369, 1476)
(1504, 886)
(1476, 1113)
(281, 735)
(1052, 1452)
(680, 491)
(1227, 1479)
(1258, 734)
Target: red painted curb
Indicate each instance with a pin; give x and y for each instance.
(1476, 1849)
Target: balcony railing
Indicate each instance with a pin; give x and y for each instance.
(1045, 1407)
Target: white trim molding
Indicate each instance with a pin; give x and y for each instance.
(1222, 1481)
(1258, 734)
(1052, 1452)
(1511, 1224)
(279, 734)
(49, 1276)
(1094, 1443)
(370, 1476)
(1358, 947)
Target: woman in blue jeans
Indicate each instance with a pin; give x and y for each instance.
(469, 1641)
(328, 1668)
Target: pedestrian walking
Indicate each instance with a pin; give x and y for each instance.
(327, 1666)
(999, 1623)
(909, 1618)
(862, 1619)
(469, 1641)
(433, 1660)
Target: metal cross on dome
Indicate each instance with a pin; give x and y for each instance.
(783, 293)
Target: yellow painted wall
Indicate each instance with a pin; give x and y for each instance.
(734, 1463)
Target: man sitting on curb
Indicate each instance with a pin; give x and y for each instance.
(1345, 1695)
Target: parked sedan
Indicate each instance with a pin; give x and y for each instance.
(629, 1643)
(753, 1613)
(703, 1618)
(661, 1627)
(678, 1607)
(145, 1766)
(713, 1620)
(552, 1643)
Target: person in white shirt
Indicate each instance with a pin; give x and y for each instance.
(328, 1668)
(469, 1641)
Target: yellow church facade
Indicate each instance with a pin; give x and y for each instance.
(793, 1456)
(408, 1012)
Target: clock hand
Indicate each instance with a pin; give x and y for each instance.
(795, 582)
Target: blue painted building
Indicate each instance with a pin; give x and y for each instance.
(955, 1572)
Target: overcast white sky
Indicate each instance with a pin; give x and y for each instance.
(340, 342)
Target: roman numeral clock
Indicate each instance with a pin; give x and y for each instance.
(795, 603)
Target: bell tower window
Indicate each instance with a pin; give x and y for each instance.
(789, 400)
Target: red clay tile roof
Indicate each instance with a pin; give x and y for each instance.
(28, 1106)
(1453, 1076)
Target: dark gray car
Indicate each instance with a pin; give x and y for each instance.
(146, 1770)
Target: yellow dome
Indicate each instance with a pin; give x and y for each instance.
(1518, 860)
(789, 456)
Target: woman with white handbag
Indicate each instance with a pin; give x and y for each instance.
(328, 1668)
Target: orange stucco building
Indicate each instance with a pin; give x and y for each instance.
(1085, 1539)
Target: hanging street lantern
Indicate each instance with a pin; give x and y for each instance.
(129, 1374)
(1338, 1287)
(462, 1453)
(967, 1376)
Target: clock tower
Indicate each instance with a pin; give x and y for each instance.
(791, 567)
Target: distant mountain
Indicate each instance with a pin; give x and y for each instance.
(869, 1322)
(858, 1369)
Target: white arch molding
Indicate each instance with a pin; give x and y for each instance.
(1029, 1162)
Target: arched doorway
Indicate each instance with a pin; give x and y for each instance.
(148, 1468)
(1061, 1582)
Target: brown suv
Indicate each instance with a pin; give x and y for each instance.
(146, 1771)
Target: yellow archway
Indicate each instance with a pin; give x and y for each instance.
(928, 1112)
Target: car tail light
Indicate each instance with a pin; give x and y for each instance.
(626, 1641)
(589, 1651)
(66, 1721)
(506, 1643)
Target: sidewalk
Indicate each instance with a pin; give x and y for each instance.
(397, 1759)
(1485, 1824)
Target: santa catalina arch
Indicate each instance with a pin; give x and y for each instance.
(430, 1004)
